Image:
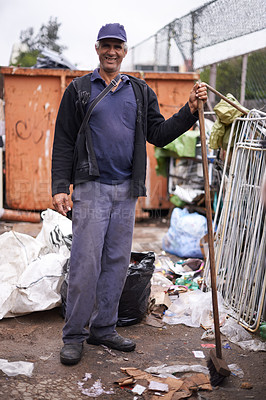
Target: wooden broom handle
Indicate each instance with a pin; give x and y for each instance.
(239, 108)
(210, 229)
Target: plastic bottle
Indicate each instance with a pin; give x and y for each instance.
(188, 282)
(263, 330)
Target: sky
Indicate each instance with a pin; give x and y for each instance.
(81, 20)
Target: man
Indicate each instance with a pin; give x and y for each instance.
(107, 165)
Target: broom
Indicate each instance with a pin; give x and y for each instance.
(217, 366)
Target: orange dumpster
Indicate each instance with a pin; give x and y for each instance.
(32, 98)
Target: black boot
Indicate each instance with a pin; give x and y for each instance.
(70, 353)
(114, 341)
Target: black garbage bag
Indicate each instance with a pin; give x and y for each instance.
(135, 296)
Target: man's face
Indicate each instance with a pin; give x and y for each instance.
(111, 53)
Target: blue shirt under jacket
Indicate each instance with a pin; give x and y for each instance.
(113, 124)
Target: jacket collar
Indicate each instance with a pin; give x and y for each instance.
(96, 76)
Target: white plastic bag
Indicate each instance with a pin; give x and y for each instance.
(194, 309)
(16, 367)
(17, 252)
(238, 335)
(30, 279)
(186, 230)
(38, 288)
(55, 230)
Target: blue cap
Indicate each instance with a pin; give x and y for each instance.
(112, 31)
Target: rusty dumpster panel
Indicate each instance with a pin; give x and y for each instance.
(172, 90)
(32, 98)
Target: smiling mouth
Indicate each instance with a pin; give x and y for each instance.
(110, 58)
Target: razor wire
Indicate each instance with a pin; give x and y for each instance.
(240, 240)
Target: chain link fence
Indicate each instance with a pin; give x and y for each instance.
(229, 79)
(215, 22)
(203, 31)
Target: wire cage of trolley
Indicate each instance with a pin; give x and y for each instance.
(240, 237)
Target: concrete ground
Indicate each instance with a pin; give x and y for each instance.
(37, 338)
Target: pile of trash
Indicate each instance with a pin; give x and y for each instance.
(35, 272)
(31, 268)
(176, 294)
(158, 291)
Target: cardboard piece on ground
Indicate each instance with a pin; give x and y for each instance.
(181, 388)
(137, 373)
(151, 320)
(175, 385)
(198, 381)
(158, 303)
(159, 296)
(187, 386)
(125, 381)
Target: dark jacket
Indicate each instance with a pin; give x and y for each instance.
(73, 159)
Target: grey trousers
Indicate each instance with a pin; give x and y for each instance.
(103, 221)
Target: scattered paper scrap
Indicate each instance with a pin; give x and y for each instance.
(139, 389)
(45, 358)
(236, 370)
(87, 376)
(158, 386)
(198, 354)
(95, 390)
